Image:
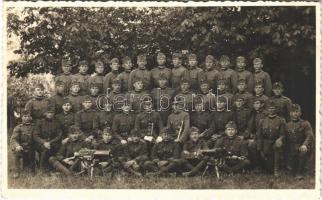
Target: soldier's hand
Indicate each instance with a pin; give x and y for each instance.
(303, 149)
(129, 139)
(18, 148)
(234, 157)
(162, 163)
(47, 145)
(103, 164)
(177, 140)
(279, 143)
(185, 152)
(123, 141)
(89, 139)
(156, 160)
(64, 141)
(214, 137)
(159, 139)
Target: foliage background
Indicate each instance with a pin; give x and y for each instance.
(283, 36)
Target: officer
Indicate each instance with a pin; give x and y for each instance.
(244, 74)
(98, 77)
(298, 141)
(48, 137)
(113, 74)
(270, 139)
(229, 75)
(261, 76)
(160, 70)
(82, 77)
(66, 76)
(283, 103)
(178, 71)
(141, 73)
(22, 144)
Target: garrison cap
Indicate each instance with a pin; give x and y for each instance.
(203, 81)
(94, 85)
(192, 56)
(98, 62)
(221, 81)
(271, 104)
(278, 85)
(176, 55)
(87, 98)
(259, 83)
(83, 62)
(295, 107)
(194, 129)
(241, 80)
(116, 81)
(160, 54)
(224, 58)
(75, 82)
(141, 57)
(210, 57)
(115, 60)
(59, 83)
(240, 59)
(126, 59)
(40, 86)
(221, 99)
(184, 80)
(163, 77)
(231, 124)
(66, 100)
(257, 60)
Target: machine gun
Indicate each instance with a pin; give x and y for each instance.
(89, 159)
(217, 159)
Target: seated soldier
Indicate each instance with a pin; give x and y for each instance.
(164, 156)
(63, 161)
(135, 153)
(108, 142)
(299, 141)
(191, 157)
(22, 145)
(237, 149)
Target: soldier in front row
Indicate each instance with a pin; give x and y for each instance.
(22, 144)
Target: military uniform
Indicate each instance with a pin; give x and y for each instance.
(186, 98)
(66, 78)
(243, 118)
(103, 119)
(177, 74)
(85, 120)
(135, 98)
(248, 77)
(248, 98)
(162, 98)
(219, 119)
(282, 102)
(117, 100)
(123, 125)
(66, 120)
(137, 151)
(195, 76)
(57, 101)
(83, 80)
(143, 75)
(211, 76)
(144, 122)
(108, 79)
(156, 73)
(175, 120)
(124, 78)
(76, 101)
(98, 80)
(265, 79)
(262, 98)
(230, 77)
(37, 106)
(202, 121)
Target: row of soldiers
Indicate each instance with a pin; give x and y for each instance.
(141, 104)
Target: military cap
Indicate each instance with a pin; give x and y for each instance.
(278, 85)
(83, 62)
(192, 56)
(116, 81)
(240, 59)
(163, 77)
(231, 124)
(210, 57)
(40, 86)
(59, 83)
(126, 59)
(203, 81)
(221, 99)
(259, 83)
(160, 54)
(66, 63)
(178, 101)
(194, 129)
(198, 101)
(66, 100)
(257, 60)
(93, 85)
(176, 55)
(241, 81)
(115, 60)
(239, 97)
(74, 82)
(25, 113)
(184, 80)
(259, 99)
(271, 104)
(141, 57)
(86, 98)
(73, 129)
(98, 62)
(147, 102)
(107, 130)
(221, 81)
(224, 58)
(50, 109)
(295, 107)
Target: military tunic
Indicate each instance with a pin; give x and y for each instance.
(265, 79)
(48, 131)
(244, 122)
(83, 80)
(108, 79)
(202, 121)
(144, 121)
(135, 98)
(123, 125)
(298, 133)
(248, 77)
(186, 98)
(159, 71)
(212, 77)
(85, 120)
(219, 119)
(66, 78)
(37, 107)
(283, 105)
(103, 119)
(124, 78)
(98, 80)
(137, 151)
(177, 74)
(165, 150)
(76, 101)
(175, 120)
(195, 76)
(162, 98)
(66, 120)
(143, 75)
(230, 77)
(57, 101)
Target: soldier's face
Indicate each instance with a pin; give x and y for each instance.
(194, 136)
(26, 119)
(94, 91)
(271, 110)
(277, 91)
(126, 108)
(67, 107)
(60, 89)
(83, 69)
(75, 89)
(138, 86)
(141, 64)
(39, 92)
(221, 87)
(240, 63)
(257, 105)
(209, 64)
(184, 87)
(87, 105)
(199, 107)
(107, 137)
(259, 90)
(295, 114)
(239, 103)
(230, 132)
(135, 139)
(176, 62)
(241, 87)
(163, 83)
(49, 115)
(192, 62)
(116, 87)
(74, 136)
(99, 68)
(127, 65)
(224, 64)
(221, 105)
(161, 60)
(66, 68)
(115, 66)
(258, 66)
(204, 88)
(147, 108)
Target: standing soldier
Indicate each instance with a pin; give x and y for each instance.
(201, 120)
(82, 77)
(66, 76)
(124, 76)
(161, 70)
(222, 91)
(207, 96)
(283, 103)
(98, 77)
(185, 94)
(242, 73)
(243, 93)
(75, 98)
(67, 117)
(93, 93)
(123, 124)
(243, 119)
(104, 118)
(259, 94)
(116, 97)
(85, 120)
(299, 141)
(227, 74)
(162, 97)
(38, 105)
(211, 73)
(109, 77)
(48, 137)
(261, 76)
(178, 71)
(137, 96)
(22, 144)
(141, 73)
(270, 139)
(179, 123)
(58, 98)
(135, 153)
(195, 74)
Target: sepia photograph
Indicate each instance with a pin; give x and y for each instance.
(162, 96)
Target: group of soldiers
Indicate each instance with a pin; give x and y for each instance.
(160, 121)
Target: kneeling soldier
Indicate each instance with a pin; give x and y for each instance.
(164, 155)
(299, 141)
(63, 161)
(237, 149)
(191, 157)
(22, 145)
(136, 153)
